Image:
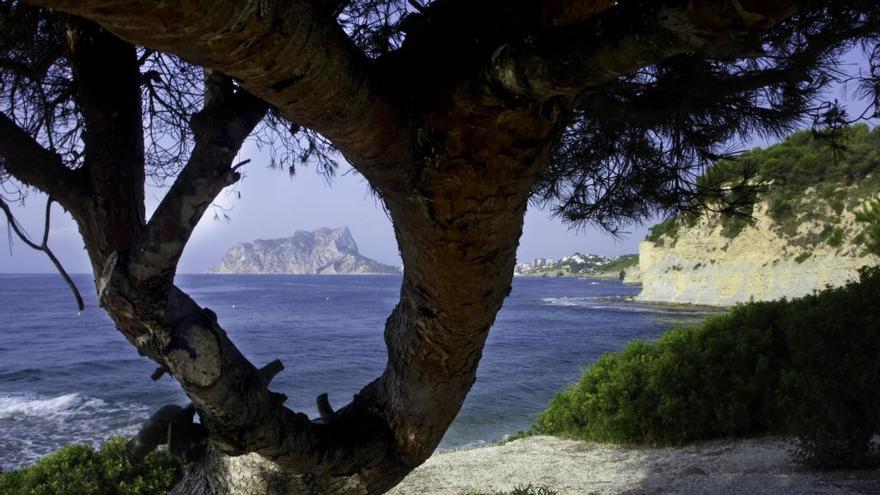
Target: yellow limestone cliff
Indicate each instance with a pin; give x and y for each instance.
(703, 266)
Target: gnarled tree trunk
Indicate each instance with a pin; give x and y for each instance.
(458, 236)
(452, 130)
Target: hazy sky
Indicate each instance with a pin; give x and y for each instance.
(273, 205)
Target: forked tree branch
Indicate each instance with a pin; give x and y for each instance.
(653, 106)
(43, 246)
(34, 165)
(109, 102)
(564, 62)
(220, 129)
(290, 54)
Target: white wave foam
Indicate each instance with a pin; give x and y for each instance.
(570, 301)
(16, 406)
(621, 304)
(32, 426)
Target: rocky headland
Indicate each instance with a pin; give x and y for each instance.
(702, 266)
(802, 235)
(321, 252)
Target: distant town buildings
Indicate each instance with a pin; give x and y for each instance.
(576, 263)
(539, 262)
(523, 268)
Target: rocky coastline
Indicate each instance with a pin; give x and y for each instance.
(700, 265)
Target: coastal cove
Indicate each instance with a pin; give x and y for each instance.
(55, 390)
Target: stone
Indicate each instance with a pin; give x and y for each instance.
(321, 252)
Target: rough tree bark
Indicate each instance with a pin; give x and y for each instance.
(453, 148)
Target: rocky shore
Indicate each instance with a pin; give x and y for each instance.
(747, 467)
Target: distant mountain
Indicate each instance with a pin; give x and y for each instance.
(322, 252)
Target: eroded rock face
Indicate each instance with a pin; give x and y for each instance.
(322, 252)
(632, 275)
(702, 266)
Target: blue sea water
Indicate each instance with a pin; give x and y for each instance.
(74, 378)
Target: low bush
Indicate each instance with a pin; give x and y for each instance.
(870, 215)
(663, 230)
(692, 384)
(807, 367)
(829, 393)
(80, 470)
(732, 226)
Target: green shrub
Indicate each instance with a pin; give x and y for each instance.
(807, 367)
(622, 263)
(835, 238)
(870, 215)
(664, 230)
(830, 389)
(732, 226)
(692, 384)
(80, 470)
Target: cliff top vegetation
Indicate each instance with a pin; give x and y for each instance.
(805, 178)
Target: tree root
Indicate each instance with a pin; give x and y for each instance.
(324, 408)
(171, 425)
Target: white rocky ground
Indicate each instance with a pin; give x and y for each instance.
(749, 467)
(705, 267)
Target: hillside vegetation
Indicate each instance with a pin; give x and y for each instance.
(588, 265)
(804, 180)
(806, 367)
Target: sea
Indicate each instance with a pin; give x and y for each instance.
(69, 377)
